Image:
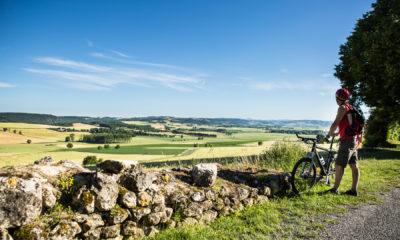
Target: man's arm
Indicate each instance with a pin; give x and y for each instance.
(340, 114)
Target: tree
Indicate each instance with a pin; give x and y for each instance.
(70, 145)
(118, 146)
(72, 136)
(370, 67)
(28, 141)
(90, 160)
(20, 132)
(14, 131)
(67, 139)
(5, 129)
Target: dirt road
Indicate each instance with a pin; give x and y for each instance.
(368, 221)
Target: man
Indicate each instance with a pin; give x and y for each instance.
(347, 153)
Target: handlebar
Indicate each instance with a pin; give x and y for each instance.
(314, 140)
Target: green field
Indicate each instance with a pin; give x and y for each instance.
(46, 142)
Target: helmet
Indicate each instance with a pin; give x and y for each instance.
(343, 93)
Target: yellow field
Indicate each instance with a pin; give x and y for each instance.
(15, 151)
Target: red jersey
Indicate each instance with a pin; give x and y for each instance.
(346, 121)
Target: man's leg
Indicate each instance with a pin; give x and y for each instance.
(339, 170)
(356, 175)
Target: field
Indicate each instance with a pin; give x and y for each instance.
(45, 141)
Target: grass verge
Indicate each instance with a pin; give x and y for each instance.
(297, 217)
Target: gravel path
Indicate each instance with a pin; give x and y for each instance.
(367, 221)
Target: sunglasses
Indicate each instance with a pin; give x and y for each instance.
(340, 99)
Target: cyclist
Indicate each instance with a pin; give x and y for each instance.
(347, 153)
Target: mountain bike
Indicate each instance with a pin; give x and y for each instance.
(312, 168)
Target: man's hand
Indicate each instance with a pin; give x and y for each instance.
(323, 140)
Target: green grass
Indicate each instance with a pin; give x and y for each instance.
(298, 217)
(153, 149)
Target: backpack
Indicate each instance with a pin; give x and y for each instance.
(358, 124)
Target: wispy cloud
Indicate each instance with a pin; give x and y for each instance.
(87, 76)
(89, 43)
(120, 54)
(71, 64)
(133, 62)
(5, 85)
(326, 75)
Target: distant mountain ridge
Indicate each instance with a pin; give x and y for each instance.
(227, 122)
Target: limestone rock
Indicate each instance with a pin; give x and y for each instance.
(144, 199)
(243, 193)
(151, 231)
(117, 215)
(20, 201)
(208, 217)
(130, 228)
(138, 213)
(197, 196)
(46, 160)
(4, 235)
(105, 189)
(66, 229)
(248, 202)
(193, 210)
(84, 200)
(207, 205)
(110, 231)
(93, 234)
(224, 191)
(211, 194)
(204, 175)
(218, 204)
(116, 166)
(127, 199)
(178, 200)
(137, 180)
(154, 218)
(91, 222)
(48, 196)
(188, 222)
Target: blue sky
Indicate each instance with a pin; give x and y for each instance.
(239, 59)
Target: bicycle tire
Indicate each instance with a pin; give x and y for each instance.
(332, 173)
(304, 176)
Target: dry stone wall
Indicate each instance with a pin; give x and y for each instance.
(62, 200)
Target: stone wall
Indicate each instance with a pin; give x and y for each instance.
(62, 200)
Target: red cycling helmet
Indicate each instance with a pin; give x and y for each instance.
(343, 93)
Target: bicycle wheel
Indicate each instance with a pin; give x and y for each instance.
(303, 176)
(331, 174)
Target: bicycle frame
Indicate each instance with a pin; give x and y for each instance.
(317, 159)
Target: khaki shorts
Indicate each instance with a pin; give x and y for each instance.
(347, 152)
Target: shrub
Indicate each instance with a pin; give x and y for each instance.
(195, 145)
(67, 139)
(118, 146)
(260, 143)
(90, 160)
(106, 146)
(282, 155)
(70, 145)
(20, 133)
(99, 147)
(28, 141)
(15, 131)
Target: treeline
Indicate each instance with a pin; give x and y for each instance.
(219, 130)
(114, 125)
(292, 131)
(196, 134)
(107, 138)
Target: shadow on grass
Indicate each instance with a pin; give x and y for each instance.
(379, 153)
